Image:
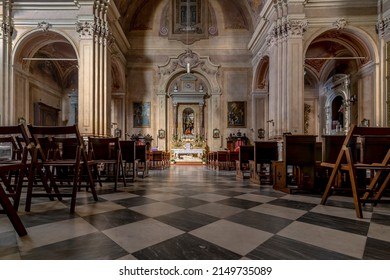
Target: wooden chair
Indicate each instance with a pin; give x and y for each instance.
(368, 156)
(246, 154)
(130, 161)
(7, 207)
(48, 160)
(14, 164)
(107, 152)
(265, 152)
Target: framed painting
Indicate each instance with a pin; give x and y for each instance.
(236, 114)
(141, 111)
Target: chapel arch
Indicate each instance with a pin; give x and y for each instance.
(330, 55)
(45, 77)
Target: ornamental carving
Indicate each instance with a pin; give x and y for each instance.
(85, 29)
(340, 24)
(382, 26)
(44, 26)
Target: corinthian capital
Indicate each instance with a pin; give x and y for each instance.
(6, 30)
(382, 25)
(85, 29)
(297, 27)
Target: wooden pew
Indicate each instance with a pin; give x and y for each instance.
(143, 161)
(297, 170)
(246, 154)
(265, 152)
(372, 157)
(130, 161)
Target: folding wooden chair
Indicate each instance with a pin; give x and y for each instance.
(348, 153)
(12, 172)
(50, 160)
(107, 152)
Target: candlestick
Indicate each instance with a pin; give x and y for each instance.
(188, 67)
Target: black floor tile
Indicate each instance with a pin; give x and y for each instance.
(185, 247)
(187, 220)
(376, 250)
(95, 246)
(240, 203)
(348, 225)
(293, 204)
(115, 218)
(134, 201)
(281, 248)
(260, 221)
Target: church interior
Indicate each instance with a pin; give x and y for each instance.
(261, 121)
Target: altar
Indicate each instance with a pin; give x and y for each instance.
(178, 152)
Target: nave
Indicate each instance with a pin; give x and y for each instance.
(192, 212)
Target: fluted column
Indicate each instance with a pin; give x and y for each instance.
(175, 119)
(95, 73)
(6, 98)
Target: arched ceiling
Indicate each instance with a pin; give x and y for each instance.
(139, 14)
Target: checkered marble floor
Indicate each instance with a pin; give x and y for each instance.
(191, 212)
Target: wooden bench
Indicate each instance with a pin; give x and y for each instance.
(265, 152)
(141, 155)
(130, 161)
(246, 154)
(296, 172)
(373, 154)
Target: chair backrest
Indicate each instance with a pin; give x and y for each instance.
(8, 141)
(128, 149)
(44, 138)
(141, 153)
(104, 148)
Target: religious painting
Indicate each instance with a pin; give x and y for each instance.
(161, 133)
(141, 117)
(236, 114)
(215, 133)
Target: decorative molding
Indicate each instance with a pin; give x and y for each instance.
(340, 24)
(307, 112)
(382, 26)
(6, 30)
(86, 29)
(200, 64)
(44, 26)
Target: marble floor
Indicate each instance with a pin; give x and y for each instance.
(191, 212)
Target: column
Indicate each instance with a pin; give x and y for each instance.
(201, 119)
(175, 119)
(94, 73)
(6, 98)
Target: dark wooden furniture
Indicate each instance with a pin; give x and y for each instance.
(106, 152)
(234, 141)
(297, 170)
(221, 160)
(246, 154)
(130, 161)
(13, 170)
(368, 156)
(265, 152)
(49, 160)
(141, 154)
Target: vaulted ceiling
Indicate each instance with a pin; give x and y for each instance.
(237, 14)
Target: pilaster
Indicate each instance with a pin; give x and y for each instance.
(6, 98)
(95, 72)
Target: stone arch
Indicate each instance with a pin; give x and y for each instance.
(45, 70)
